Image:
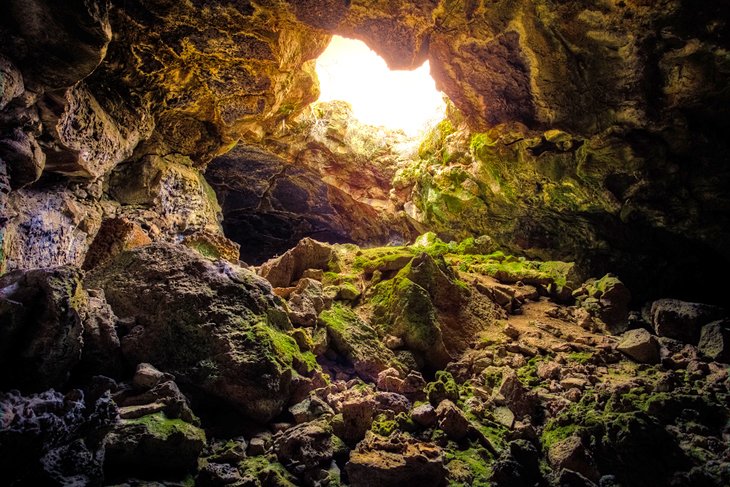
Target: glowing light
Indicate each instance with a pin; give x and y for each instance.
(349, 71)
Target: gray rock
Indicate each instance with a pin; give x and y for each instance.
(640, 345)
(682, 320)
(715, 341)
(452, 420)
(425, 415)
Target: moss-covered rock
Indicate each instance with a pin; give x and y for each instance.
(358, 342)
(212, 324)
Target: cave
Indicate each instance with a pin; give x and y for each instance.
(218, 269)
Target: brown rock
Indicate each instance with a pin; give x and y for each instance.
(395, 461)
(287, 269)
(715, 341)
(425, 415)
(572, 455)
(114, 237)
(23, 155)
(452, 420)
(213, 246)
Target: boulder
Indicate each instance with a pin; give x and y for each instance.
(640, 345)
(41, 313)
(153, 446)
(358, 342)
(213, 245)
(681, 320)
(11, 82)
(452, 420)
(395, 461)
(102, 352)
(571, 454)
(424, 415)
(305, 302)
(212, 324)
(309, 445)
(308, 254)
(608, 299)
(715, 341)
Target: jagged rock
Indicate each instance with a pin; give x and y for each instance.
(309, 445)
(357, 417)
(391, 403)
(358, 342)
(306, 302)
(608, 299)
(164, 396)
(11, 82)
(114, 237)
(41, 313)
(52, 439)
(518, 466)
(640, 345)
(682, 320)
(213, 246)
(571, 454)
(24, 158)
(521, 401)
(182, 202)
(147, 376)
(102, 353)
(153, 445)
(287, 269)
(215, 474)
(246, 358)
(48, 228)
(452, 420)
(395, 461)
(715, 341)
(310, 409)
(425, 415)
(90, 138)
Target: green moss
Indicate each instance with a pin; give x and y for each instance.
(382, 258)
(432, 146)
(162, 427)
(528, 373)
(282, 348)
(444, 387)
(580, 357)
(267, 471)
(383, 426)
(474, 460)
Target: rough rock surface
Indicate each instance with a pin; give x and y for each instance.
(639, 345)
(681, 320)
(212, 324)
(42, 312)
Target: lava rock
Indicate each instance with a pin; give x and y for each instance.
(715, 341)
(153, 446)
(212, 324)
(640, 345)
(681, 320)
(395, 461)
(41, 312)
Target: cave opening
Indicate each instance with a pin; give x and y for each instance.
(349, 71)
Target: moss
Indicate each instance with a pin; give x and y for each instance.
(267, 471)
(469, 467)
(383, 426)
(382, 258)
(282, 348)
(580, 357)
(163, 427)
(510, 269)
(528, 373)
(432, 146)
(444, 387)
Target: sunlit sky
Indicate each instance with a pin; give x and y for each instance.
(349, 71)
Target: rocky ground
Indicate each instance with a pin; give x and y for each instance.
(432, 364)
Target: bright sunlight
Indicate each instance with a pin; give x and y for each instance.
(350, 71)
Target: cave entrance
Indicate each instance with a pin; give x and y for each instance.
(348, 70)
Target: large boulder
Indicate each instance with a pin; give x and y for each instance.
(395, 461)
(40, 327)
(214, 325)
(308, 254)
(358, 342)
(681, 320)
(153, 445)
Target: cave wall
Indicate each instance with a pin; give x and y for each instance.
(111, 109)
